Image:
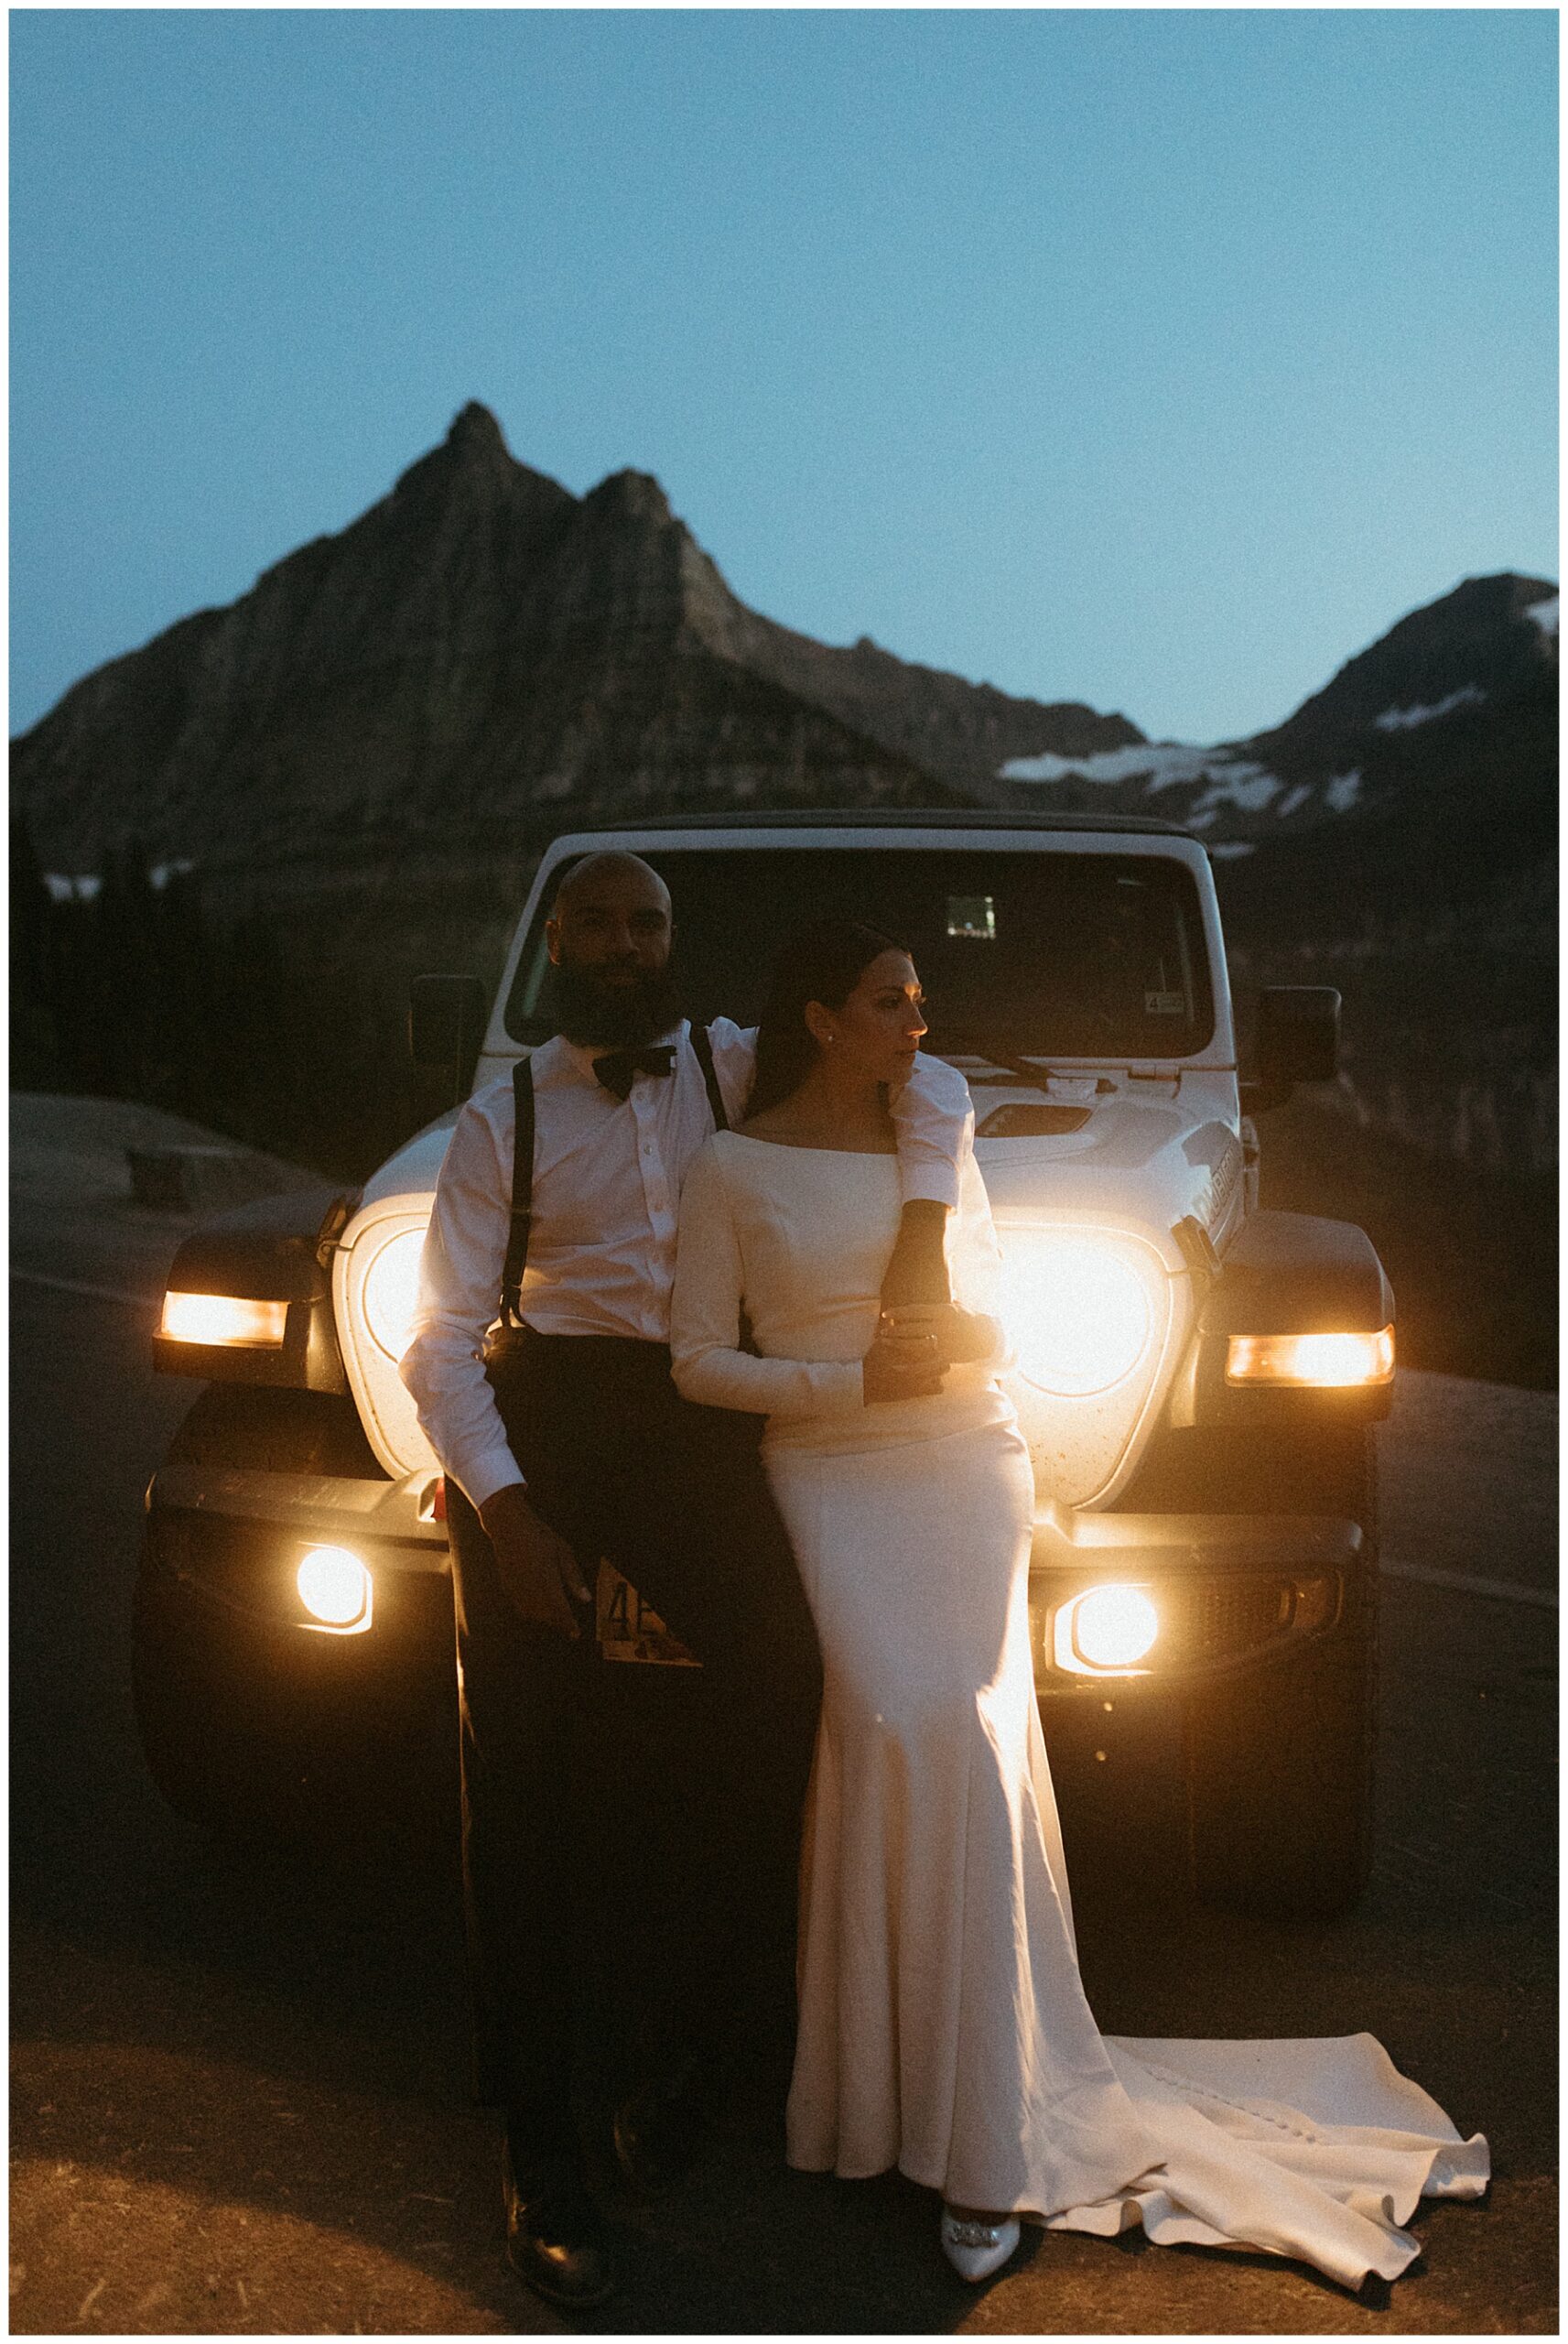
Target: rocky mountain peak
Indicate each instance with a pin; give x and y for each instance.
(1474, 645)
(474, 430)
(473, 464)
(630, 496)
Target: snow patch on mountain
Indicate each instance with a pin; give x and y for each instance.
(1399, 720)
(1163, 761)
(1228, 850)
(1342, 790)
(1250, 788)
(1159, 765)
(1294, 800)
(1545, 614)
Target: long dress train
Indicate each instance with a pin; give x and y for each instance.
(943, 2022)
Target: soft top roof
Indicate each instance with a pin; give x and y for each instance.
(882, 818)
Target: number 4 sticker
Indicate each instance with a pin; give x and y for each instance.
(629, 1628)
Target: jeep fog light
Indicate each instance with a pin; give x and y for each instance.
(226, 1318)
(336, 1590)
(391, 1287)
(1108, 1627)
(1080, 1314)
(1336, 1361)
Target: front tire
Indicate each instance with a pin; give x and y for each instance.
(1280, 1764)
(226, 1747)
(206, 1761)
(212, 1758)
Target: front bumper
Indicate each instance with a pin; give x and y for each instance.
(219, 1587)
(1233, 1593)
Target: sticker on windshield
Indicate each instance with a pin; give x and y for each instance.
(1165, 1005)
(972, 915)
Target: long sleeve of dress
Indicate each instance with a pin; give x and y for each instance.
(705, 1358)
(933, 1119)
(974, 1262)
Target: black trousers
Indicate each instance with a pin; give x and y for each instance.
(616, 1812)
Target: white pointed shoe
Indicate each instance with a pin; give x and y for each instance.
(977, 2249)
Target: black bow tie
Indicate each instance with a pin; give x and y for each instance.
(620, 1068)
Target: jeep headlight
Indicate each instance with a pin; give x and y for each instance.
(1105, 1629)
(1079, 1308)
(336, 1590)
(391, 1288)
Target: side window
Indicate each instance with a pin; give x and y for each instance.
(527, 1014)
(528, 1017)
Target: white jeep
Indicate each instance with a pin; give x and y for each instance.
(1198, 1378)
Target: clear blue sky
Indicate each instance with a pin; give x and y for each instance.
(1155, 359)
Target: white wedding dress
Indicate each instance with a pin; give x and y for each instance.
(943, 2022)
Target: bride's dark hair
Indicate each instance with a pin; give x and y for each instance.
(825, 963)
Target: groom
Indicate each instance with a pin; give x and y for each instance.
(594, 1454)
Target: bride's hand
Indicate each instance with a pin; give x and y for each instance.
(903, 1364)
(959, 1335)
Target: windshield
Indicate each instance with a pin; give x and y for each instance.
(1095, 956)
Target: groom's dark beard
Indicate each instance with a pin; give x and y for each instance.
(622, 1017)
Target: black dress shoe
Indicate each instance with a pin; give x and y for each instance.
(555, 2240)
(659, 2134)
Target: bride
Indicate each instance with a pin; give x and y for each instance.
(943, 2024)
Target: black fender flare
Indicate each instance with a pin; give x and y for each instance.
(275, 1249)
(1285, 1274)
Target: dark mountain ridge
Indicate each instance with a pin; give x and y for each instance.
(1470, 677)
(483, 650)
(482, 655)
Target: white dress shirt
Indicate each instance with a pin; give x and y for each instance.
(602, 1253)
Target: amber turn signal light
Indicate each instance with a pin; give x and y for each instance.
(222, 1318)
(1328, 1361)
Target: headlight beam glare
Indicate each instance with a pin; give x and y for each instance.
(336, 1590)
(1105, 1629)
(1079, 1310)
(391, 1289)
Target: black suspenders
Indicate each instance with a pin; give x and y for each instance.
(522, 1168)
(702, 1043)
(522, 1193)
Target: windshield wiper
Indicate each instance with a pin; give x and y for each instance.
(1010, 1067)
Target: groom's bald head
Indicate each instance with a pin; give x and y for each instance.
(612, 910)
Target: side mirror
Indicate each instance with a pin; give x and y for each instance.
(446, 1031)
(1297, 1041)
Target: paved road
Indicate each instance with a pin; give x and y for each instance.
(239, 2099)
